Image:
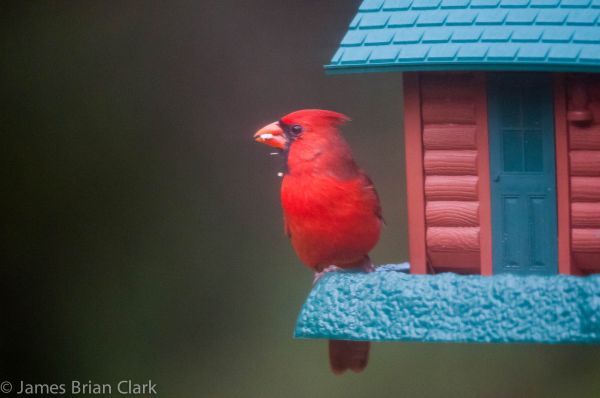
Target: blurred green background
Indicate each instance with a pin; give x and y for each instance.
(143, 236)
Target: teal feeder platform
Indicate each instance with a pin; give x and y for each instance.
(391, 305)
(502, 137)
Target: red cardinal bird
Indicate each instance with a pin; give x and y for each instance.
(331, 209)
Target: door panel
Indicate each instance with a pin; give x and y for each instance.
(522, 167)
(512, 247)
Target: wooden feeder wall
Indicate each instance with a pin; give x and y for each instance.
(448, 172)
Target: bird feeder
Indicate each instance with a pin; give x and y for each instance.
(502, 137)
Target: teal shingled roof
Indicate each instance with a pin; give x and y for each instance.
(549, 35)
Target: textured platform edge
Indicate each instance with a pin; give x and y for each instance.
(391, 305)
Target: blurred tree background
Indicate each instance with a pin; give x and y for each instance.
(143, 236)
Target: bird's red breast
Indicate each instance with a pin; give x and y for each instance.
(330, 221)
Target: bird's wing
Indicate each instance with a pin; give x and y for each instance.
(368, 184)
(286, 228)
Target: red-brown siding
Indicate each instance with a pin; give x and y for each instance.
(583, 94)
(449, 165)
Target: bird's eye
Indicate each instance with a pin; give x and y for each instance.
(296, 129)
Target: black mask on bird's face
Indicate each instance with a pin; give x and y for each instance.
(279, 135)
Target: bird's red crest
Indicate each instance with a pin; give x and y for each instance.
(315, 116)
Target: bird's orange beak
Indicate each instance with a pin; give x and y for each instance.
(272, 135)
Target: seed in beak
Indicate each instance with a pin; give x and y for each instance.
(271, 135)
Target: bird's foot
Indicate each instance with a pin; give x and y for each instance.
(318, 275)
(365, 265)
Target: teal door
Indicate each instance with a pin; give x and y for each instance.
(522, 173)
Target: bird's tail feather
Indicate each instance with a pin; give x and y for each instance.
(344, 354)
